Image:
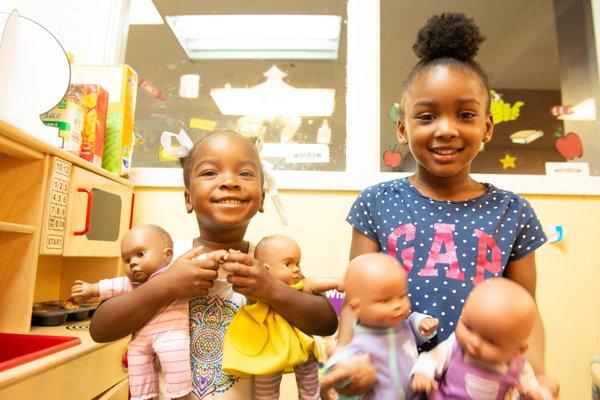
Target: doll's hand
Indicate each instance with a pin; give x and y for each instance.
(250, 277)
(82, 291)
(352, 377)
(422, 383)
(341, 288)
(218, 256)
(428, 326)
(190, 276)
(551, 384)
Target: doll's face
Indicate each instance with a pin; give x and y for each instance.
(282, 256)
(495, 333)
(143, 252)
(381, 300)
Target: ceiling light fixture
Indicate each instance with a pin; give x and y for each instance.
(214, 37)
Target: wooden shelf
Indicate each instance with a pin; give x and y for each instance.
(16, 228)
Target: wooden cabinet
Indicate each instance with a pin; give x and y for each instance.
(61, 219)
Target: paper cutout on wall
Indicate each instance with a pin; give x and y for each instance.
(555, 233)
(526, 136)
(150, 88)
(582, 111)
(501, 111)
(569, 146)
(391, 157)
(394, 113)
(508, 161)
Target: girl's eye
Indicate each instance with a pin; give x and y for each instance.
(208, 172)
(466, 115)
(247, 174)
(425, 117)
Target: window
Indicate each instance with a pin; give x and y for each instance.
(277, 73)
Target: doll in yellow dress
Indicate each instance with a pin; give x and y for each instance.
(261, 342)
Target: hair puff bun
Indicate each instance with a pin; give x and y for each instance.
(450, 35)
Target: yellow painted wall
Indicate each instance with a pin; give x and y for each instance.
(567, 273)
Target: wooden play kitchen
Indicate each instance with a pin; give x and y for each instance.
(60, 220)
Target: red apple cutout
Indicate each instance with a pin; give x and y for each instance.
(569, 146)
(392, 158)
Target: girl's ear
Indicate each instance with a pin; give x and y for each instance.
(401, 132)
(489, 128)
(261, 208)
(188, 202)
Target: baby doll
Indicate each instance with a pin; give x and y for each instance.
(146, 251)
(261, 342)
(377, 292)
(483, 358)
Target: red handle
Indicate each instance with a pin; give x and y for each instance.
(131, 212)
(88, 211)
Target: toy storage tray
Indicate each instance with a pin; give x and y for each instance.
(16, 349)
(50, 313)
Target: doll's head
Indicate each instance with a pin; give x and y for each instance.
(496, 321)
(223, 184)
(444, 109)
(376, 290)
(145, 249)
(281, 254)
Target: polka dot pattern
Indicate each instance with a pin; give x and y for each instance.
(447, 241)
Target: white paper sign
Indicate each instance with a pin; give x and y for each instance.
(296, 153)
(567, 169)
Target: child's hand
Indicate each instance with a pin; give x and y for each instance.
(250, 277)
(428, 326)
(352, 377)
(189, 276)
(422, 383)
(82, 291)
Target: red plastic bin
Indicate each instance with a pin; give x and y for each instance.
(16, 348)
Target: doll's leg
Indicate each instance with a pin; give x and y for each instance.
(173, 351)
(266, 387)
(307, 380)
(141, 370)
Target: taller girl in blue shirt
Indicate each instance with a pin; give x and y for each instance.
(448, 231)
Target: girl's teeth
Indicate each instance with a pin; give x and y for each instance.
(229, 201)
(445, 152)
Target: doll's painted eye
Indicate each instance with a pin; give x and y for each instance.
(140, 254)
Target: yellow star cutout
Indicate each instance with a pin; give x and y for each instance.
(508, 161)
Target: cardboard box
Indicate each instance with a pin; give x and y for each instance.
(120, 81)
(95, 104)
(68, 117)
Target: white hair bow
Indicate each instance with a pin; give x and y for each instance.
(185, 144)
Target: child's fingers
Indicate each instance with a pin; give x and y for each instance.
(243, 258)
(236, 268)
(79, 282)
(193, 253)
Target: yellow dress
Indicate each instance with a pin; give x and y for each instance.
(259, 341)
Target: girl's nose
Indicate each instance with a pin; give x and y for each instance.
(446, 129)
(230, 181)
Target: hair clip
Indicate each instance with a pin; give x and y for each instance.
(184, 147)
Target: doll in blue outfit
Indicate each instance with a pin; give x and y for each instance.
(449, 231)
(377, 292)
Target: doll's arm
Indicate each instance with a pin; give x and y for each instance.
(318, 285)
(530, 387)
(423, 326)
(523, 272)
(313, 315)
(84, 291)
(123, 315)
(431, 365)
